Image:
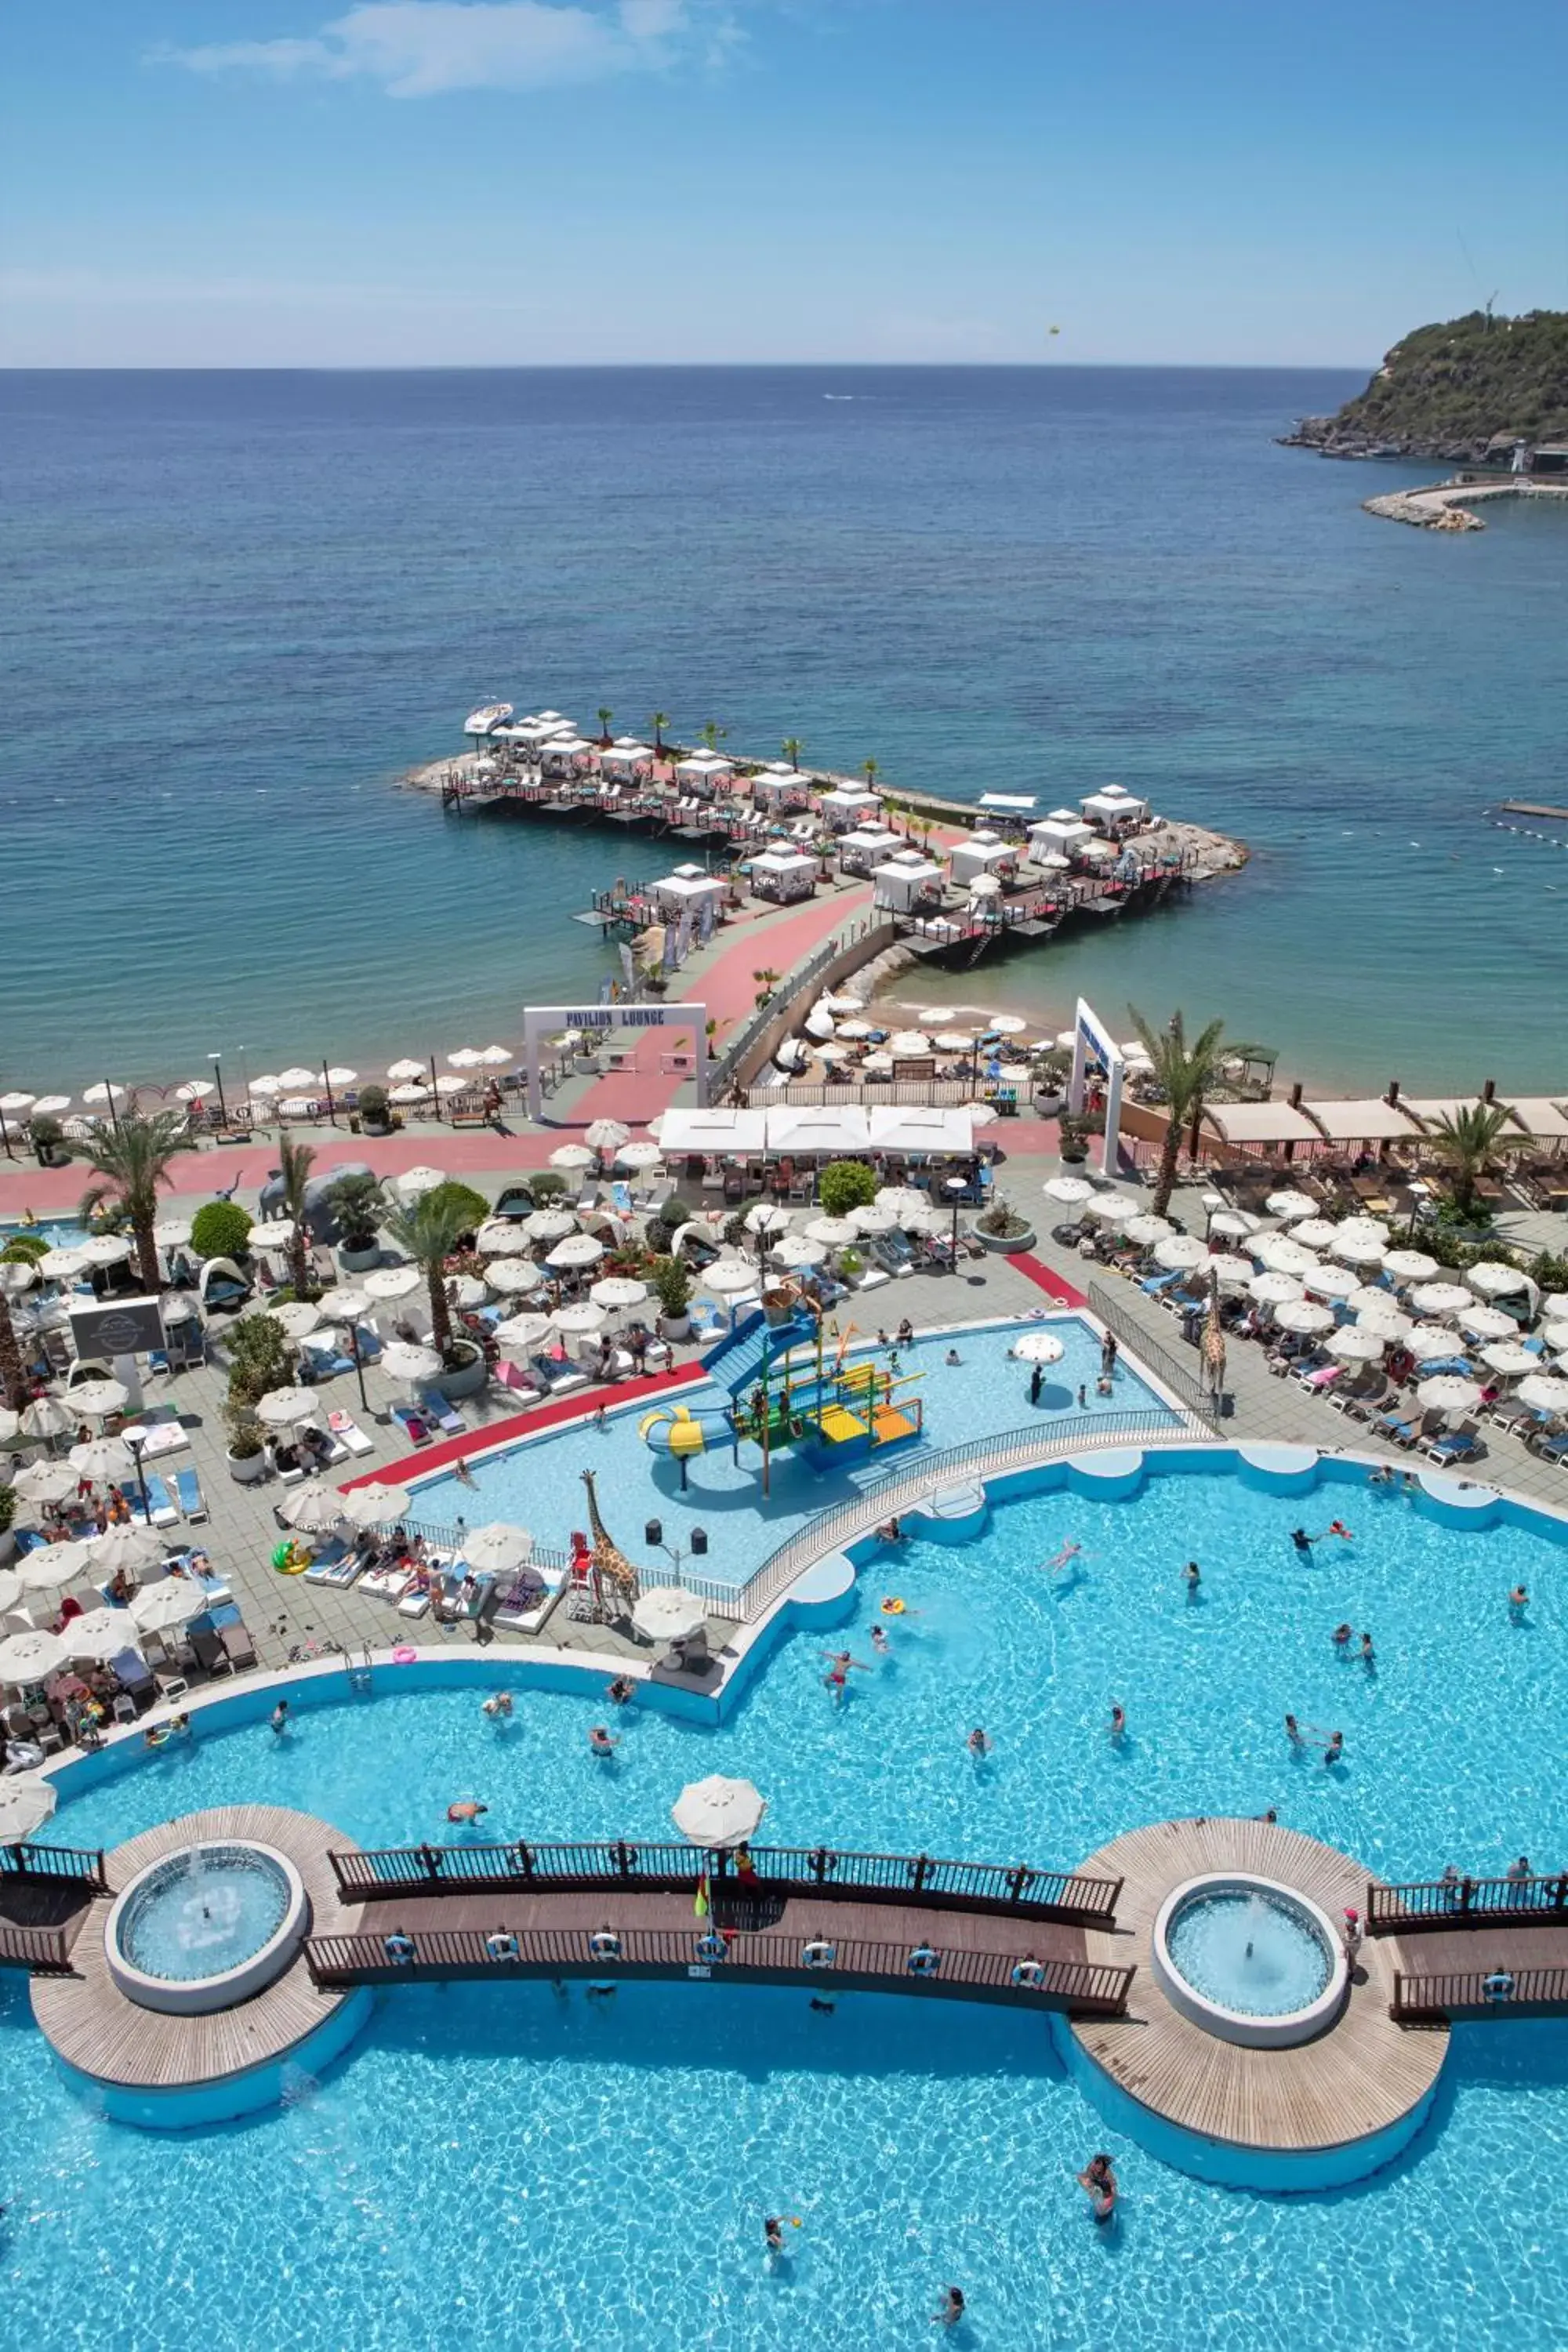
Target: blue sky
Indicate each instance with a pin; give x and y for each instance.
(194, 183)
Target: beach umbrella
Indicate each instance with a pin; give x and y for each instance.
(1314, 1233)
(339, 1075)
(10, 1589)
(1357, 1249)
(1110, 1208)
(467, 1057)
(1409, 1264)
(580, 1317)
(46, 1416)
(1069, 1188)
(44, 1482)
(98, 1634)
(909, 1041)
(104, 1249)
(1448, 1392)
(26, 1802)
(1555, 1303)
(297, 1317)
(718, 1812)
(728, 1276)
(102, 1458)
(96, 1398)
(276, 1236)
(49, 1568)
(315, 1508)
(796, 1253)
(172, 1601)
(904, 1199)
(401, 1360)
(346, 1304)
(1441, 1298)
(104, 1092)
(1288, 1206)
(953, 1041)
(835, 1232)
(1303, 1316)
(1544, 1392)
(386, 1282)
(1331, 1281)
(766, 1217)
(1007, 1024)
(415, 1181)
(668, 1612)
(18, 1276)
(1234, 1224)
(572, 1155)
(1486, 1323)
(495, 1057)
(1386, 1321)
(981, 1114)
(407, 1069)
(873, 1218)
(836, 1004)
(1147, 1231)
(497, 1237)
(834, 1053)
(1508, 1357)
(1423, 1339)
(640, 1156)
(606, 1134)
(514, 1277)
(17, 1103)
(498, 1548)
(291, 1081)
(548, 1224)
(618, 1293)
(576, 1250)
(133, 1549)
(1355, 1345)
(1179, 1253)
(1283, 1255)
(51, 1106)
(1373, 1227)
(61, 1264)
(1037, 1347)
(1555, 1336)
(524, 1332)
(10, 1433)
(1495, 1280)
(377, 1503)
(283, 1408)
(267, 1084)
(465, 1291)
(1369, 1297)
(172, 1232)
(408, 1092)
(30, 1657)
(857, 1030)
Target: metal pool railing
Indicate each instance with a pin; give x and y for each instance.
(1467, 1903)
(1165, 1366)
(83, 1865)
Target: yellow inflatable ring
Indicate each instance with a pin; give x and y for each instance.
(893, 1606)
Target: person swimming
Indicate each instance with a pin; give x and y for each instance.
(600, 1742)
(1070, 1551)
(836, 1678)
(880, 1643)
(466, 1809)
(1118, 1725)
(979, 1743)
(1192, 1577)
(1098, 2181)
(1335, 1749)
(498, 1706)
(1341, 1636)
(622, 1691)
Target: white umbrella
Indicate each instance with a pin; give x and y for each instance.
(1507, 1355)
(514, 1277)
(1179, 1253)
(61, 1264)
(1449, 1393)
(104, 1092)
(548, 1224)
(401, 1361)
(1354, 1345)
(766, 1217)
(102, 1458)
(1231, 1272)
(877, 1064)
(339, 1075)
(44, 1482)
(577, 1249)
(172, 1232)
(796, 1253)
(1441, 1298)
(524, 1331)
(1147, 1231)
(26, 1802)
(10, 1589)
(1284, 1256)
(51, 1105)
(465, 1291)
(618, 1292)
(133, 1549)
(833, 1053)
(854, 1029)
(1544, 1392)
(728, 1276)
(498, 1548)
(467, 1057)
(572, 1155)
(953, 1041)
(1409, 1264)
(1386, 1321)
(407, 1069)
(46, 1416)
(31, 1657)
(289, 1081)
(1234, 1224)
(638, 1156)
(497, 1237)
(1314, 1233)
(1331, 1281)
(717, 1811)
(909, 1041)
(1357, 1249)
(1006, 1025)
(1425, 1339)
(410, 1091)
(606, 1134)
(668, 1612)
(276, 1236)
(1304, 1316)
(874, 1219)
(1555, 1303)
(835, 1232)
(415, 1181)
(1288, 1206)
(1110, 1208)
(392, 1281)
(908, 1201)
(1373, 1228)
(17, 1275)
(1555, 1335)
(299, 1316)
(98, 1634)
(1038, 1347)
(1488, 1323)
(282, 1408)
(261, 1088)
(346, 1304)
(315, 1508)
(375, 1504)
(17, 1101)
(495, 1057)
(173, 1600)
(582, 1315)
(96, 1398)
(104, 1249)
(981, 1114)
(49, 1568)
(1371, 1298)
(1495, 1280)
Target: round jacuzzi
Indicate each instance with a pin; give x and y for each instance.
(1248, 1960)
(206, 1928)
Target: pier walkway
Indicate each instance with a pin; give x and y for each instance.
(1485, 1947)
(45, 1893)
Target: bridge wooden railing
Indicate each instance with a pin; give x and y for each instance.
(1425, 2000)
(82, 1864)
(1013, 1891)
(44, 1950)
(1442, 1902)
(429, 1956)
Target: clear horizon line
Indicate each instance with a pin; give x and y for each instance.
(673, 367)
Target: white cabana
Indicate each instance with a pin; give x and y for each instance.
(847, 806)
(1265, 1123)
(688, 887)
(906, 879)
(1101, 809)
(704, 768)
(836, 1127)
(982, 852)
(783, 876)
(566, 752)
(1366, 1121)
(741, 1132)
(922, 1129)
(1061, 831)
(625, 759)
(869, 846)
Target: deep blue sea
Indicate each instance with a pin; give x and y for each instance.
(238, 606)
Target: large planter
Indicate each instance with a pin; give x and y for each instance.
(1007, 1244)
(776, 1309)
(675, 1327)
(377, 1126)
(359, 1261)
(247, 1469)
(7, 1543)
(470, 1377)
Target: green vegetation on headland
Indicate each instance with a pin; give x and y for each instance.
(1465, 391)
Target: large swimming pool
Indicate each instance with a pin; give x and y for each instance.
(532, 2170)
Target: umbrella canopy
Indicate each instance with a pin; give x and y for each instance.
(874, 1219)
(406, 1069)
(1331, 1281)
(548, 1224)
(717, 1811)
(17, 1101)
(728, 1276)
(1234, 1224)
(1284, 1256)
(1304, 1316)
(415, 1181)
(172, 1232)
(1507, 1355)
(498, 1548)
(1314, 1233)
(276, 1235)
(495, 1057)
(102, 1458)
(514, 1277)
(44, 1482)
(1179, 1252)
(1555, 1336)
(315, 1508)
(30, 1658)
(497, 1237)
(401, 1361)
(1425, 1339)
(105, 1091)
(26, 1802)
(1495, 1280)
(606, 1134)
(282, 1408)
(133, 1549)
(96, 1398)
(953, 1041)
(411, 1091)
(1409, 1264)
(292, 1079)
(61, 1264)
(618, 1292)
(49, 1568)
(1290, 1205)
(10, 1589)
(1441, 1298)
(524, 1332)
(375, 1504)
(1110, 1208)
(638, 1156)
(582, 1315)
(104, 1249)
(467, 1057)
(668, 1612)
(346, 1304)
(44, 1417)
(99, 1634)
(173, 1600)
(1147, 1231)
(908, 1201)
(16, 1276)
(834, 1233)
(1386, 1321)
(1356, 1345)
(1371, 1298)
(577, 1249)
(1038, 1347)
(1449, 1393)
(1488, 1323)
(299, 1316)
(1232, 1272)
(572, 1155)
(1544, 1392)
(465, 1291)
(796, 1253)
(766, 1217)
(339, 1075)
(392, 1281)
(1357, 1249)
(261, 1088)
(909, 1041)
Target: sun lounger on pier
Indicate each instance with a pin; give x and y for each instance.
(349, 1433)
(188, 1488)
(413, 1426)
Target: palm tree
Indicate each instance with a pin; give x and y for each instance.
(13, 1376)
(428, 1231)
(1466, 1139)
(792, 746)
(605, 715)
(1186, 1075)
(660, 721)
(295, 1163)
(712, 733)
(767, 979)
(131, 1161)
(869, 770)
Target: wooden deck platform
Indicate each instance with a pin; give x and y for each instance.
(1358, 2077)
(93, 2027)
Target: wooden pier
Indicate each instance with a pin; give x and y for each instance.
(1493, 1948)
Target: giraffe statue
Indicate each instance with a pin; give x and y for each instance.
(1212, 1345)
(614, 1578)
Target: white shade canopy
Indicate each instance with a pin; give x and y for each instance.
(766, 1217)
(96, 1398)
(524, 1332)
(1486, 1323)
(1112, 1208)
(45, 1416)
(277, 1234)
(416, 1181)
(835, 1233)
(668, 1612)
(173, 1600)
(726, 1277)
(282, 1408)
(44, 1482)
(346, 1304)
(1332, 1281)
(718, 1812)
(297, 1317)
(1555, 1336)
(1507, 1355)
(1038, 1347)
(1231, 1271)
(315, 1508)
(105, 1091)
(640, 1156)
(465, 1291)
(376, 1503)
(514, 1277)
(1385, 1320)
(1235, 1224)
(1068, 1189)
(618, 1293)
(1304, 1316)
(1272, 1289)
(31, 1657)
(1428, 1340)
(99, 1634)
(1314, 1233)
(1357, 1249)
(387, 1282)
(874, 1217)
(1449, 1393)
(1284, 1256)
(576, 1250)
(904, 1199)
(796, 1252)
(606, 1134)
(102, 1458)
(172, 1232)
(400, 1360)
(1495, 1280)
(1409, 1264)
(104, 1249)
(26, 1802)
(1356, 1345)
(1544, 1392)
(49, 1568)
(497, 1237)
(1288, 1206)
(498, 1548)
(1179, 1252)
(133, 1549)
(572, 1155)
(61, 1264)
(408, 1068)
(1146, 1230)
(1441, 1298)
(548, 1224)
(582, 1315)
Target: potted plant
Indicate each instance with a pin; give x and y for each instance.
(1003, 1229)
(1074, 1145)
(260, 1357)
(357, 1203)
(7, 1512)
(247, 1444)
(48, 1136)
(221, 1229)
(428, 1232)
(548, 1186)
(672, 1287)
(845, 1184)
(374, 1110)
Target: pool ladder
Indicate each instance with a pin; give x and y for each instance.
(361, 1678)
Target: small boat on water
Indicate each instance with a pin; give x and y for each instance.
(487, 719)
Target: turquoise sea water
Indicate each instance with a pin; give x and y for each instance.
(238, 606)
(525, 2170)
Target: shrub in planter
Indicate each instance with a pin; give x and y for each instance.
(358, 1206)
(25, 1249)
(845, 1184)
(220, 1229)
(1002, 1222)
(463, 1200)
(374, 1108)
(548, 1186)
(672, 1287)
(261, 1356)
(247, 1436)
(49, 1136)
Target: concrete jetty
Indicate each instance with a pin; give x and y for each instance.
(1450, 506)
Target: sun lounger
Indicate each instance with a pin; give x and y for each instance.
(413, 1426)
(446, 1416)
(416, 1600)
(387, 1583)
(188, 1488)
(293, 1478)
(1400, 1428)
(166, 1434)
(210, 1651)
(558, 1375)
(1460, 1444)
(1322, 1377)
(327, 1363)
(513, 1383)
(526, 1602)
(349, 1433)
(237, 1645)
(160, 1511)
(335, 1570)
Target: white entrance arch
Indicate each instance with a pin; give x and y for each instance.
(1092, 1037)
(601, 1019)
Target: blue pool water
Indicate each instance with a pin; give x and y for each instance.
(60, 1232)
(539, 1484)
(1249, 1953)
(561, 2173)
(201, 1914)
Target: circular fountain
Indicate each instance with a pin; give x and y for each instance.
(1248, 1960)
(205, 1926)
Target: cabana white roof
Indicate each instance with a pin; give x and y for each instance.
(1265, 1122)
(705, 763)
(686, 886)
(1113, 804)
(1372, 1121)
(841, 1127)
(922, 1128)
(713, 1130)
(979, 854)
(783, 861)
(1538, 1115)
(625, 755)
(1019, 802)
(1060, 831)
(1433, 1107)
(849, 796)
